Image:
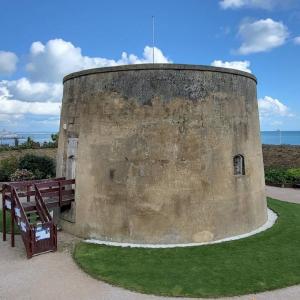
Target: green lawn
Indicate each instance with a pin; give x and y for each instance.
(266, 261)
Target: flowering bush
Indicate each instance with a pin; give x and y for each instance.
(20, 175)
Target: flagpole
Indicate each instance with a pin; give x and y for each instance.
(153, 39)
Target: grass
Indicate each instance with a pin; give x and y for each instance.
(8, 222)
(266, 261)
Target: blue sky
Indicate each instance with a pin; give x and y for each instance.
(41, 41)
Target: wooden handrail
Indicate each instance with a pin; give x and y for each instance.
(40, 210)
(67, 182)
(55, 183)
(25, 183)
(44, 192)
(20, 206)
(48, 184)
(39, 199)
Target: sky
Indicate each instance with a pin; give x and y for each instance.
(42, 41)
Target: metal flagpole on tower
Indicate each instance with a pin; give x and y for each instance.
(153, 39)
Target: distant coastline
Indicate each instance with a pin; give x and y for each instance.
(280, 137)
(267, 137)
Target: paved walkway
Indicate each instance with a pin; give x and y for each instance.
(286, 194)
(56, 276)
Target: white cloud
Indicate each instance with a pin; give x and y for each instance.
(231, 3)
(276, 123)
(262, 35)
(297, 40)
(8, 62)
(9, 106)
(57, 58)
(263, 4)
(269, 107)
(238, 65)
(8, 119)
(34, 99)
(25, 90)
(147, 57)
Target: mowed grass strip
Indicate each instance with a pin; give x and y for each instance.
(266, 261)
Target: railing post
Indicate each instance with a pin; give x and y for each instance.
(28, 191)
(31, 246)
(12, 221)
(60, 194)
(4, 216)
(54, 236)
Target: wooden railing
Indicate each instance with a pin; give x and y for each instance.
(42, 236)
(56, 189)
(18, 214)
(42, 206)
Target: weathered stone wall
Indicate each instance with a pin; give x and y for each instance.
(281, 156)
(273, 155)
(155, 153)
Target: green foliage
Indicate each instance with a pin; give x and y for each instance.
(28, 167)
(7, 167)
(31, 144)
(294, 174)
(266, 261)
(275, 175)
(54, 137)
(40, 166)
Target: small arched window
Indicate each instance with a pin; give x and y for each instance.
(239, 165)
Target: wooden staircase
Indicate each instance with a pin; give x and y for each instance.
(28, 203)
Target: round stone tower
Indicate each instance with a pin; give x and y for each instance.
(162, 153)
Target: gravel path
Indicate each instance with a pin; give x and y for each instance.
(56, 276)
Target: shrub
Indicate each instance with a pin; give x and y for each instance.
(29, 144)
(20, 175)
(7, 167)
(40, 166)
(276, 175)
(293, 174)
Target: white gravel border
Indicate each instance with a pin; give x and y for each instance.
(272, 217)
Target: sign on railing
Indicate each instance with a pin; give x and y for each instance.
(42, 233)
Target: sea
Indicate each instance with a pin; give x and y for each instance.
(267, 137)
(40, 137)
(280, 137)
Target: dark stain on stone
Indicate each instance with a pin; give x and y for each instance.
(112, 174)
